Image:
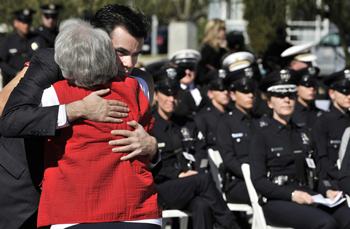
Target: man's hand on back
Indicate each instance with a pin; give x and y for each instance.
(94, 108)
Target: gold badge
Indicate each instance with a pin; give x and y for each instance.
(285, 75)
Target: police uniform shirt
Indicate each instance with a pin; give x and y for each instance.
(327, 134)
(15, 51)
(206, 120)
(306, 115)
(233, 136)
(272, 155)
(170, 165)
(49, 35)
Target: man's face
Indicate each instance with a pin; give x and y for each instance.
(297, 65)
(190, 71)
(50, 21)
(219, 97)
(127, 48)
(22, 28)
(340, 100)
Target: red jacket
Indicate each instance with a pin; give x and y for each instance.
(84, 181)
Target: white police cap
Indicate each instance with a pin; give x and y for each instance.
(300, 52)
(238, 60)
(186, 56)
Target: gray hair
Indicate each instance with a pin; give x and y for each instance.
(85, 54)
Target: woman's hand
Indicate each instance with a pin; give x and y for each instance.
(331, 194)
(188, 173)
(302, 197)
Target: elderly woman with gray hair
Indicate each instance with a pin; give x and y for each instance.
(85, 184)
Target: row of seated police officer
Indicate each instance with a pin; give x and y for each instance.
(283, 166)
(306, 78)
(179, 184)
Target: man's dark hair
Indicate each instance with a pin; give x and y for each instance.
(113, 15)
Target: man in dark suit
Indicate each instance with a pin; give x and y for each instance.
(193, 97)
(23, 118)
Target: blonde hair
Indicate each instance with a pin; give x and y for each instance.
(211, 31)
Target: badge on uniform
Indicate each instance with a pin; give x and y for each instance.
(305, 138)
(185, 133)
(263, 123)
(34, 46)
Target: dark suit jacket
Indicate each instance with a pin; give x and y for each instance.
(187, 106)
(23, 118)
(20, 175)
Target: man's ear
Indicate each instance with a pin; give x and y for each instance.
(210, 94)
(331, 94)
(233, 95)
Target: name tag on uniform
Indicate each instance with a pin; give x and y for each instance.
(161, 144)
(237, 135)
(310, 163)
(189, 156)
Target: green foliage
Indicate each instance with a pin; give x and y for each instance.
(264, 18)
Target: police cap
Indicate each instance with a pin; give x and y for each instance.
(215, 80)
(186, 58)
(238, 60)
(168, 79)
(280, 82)
(300, 52)
(24, 15)
(50, 10)
(339, 81)
(244, 79)
(308, 76)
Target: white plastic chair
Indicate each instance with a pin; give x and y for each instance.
(259, 221)
(346, 195)
(215, 160)
(174, 213)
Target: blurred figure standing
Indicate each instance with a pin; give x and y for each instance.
(214, 47)
(48, 30)
(18, 48)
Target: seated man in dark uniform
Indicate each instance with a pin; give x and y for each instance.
(18, 48)
(48, 30)
(178, 183)
(206, 119)
(329, 128)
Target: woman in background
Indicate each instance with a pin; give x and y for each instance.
(214, 47)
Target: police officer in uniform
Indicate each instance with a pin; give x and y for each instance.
(329, 128)
(306, 112)
(49, 30)
(18, 48)
(179, 185)
(193, 97)
(234, 131)
(282, 167)
(207, 117)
